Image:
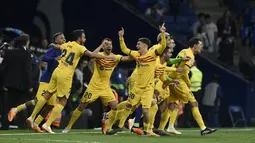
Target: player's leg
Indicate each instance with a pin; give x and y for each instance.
(153, 112)
(42, 115)
(88, 97)
(146, 100)
(173, 107)
(196, 114)
(63, 88)
(43, 96)
(12, 113)
(60, 104)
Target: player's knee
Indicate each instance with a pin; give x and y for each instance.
(129, 106)
(171, 106)
(82, 106)
(153, 103)
(113, 105)
(145, 111)
(194, 104)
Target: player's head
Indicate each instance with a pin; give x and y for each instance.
(79, 36)
(196, 45)
(108, 45)
(22, 40)
(159, 37)
(201, 18)
(59, 38)
(143, 44)
(167, 53)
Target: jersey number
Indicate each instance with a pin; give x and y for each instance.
(69, 58)
(87, 95)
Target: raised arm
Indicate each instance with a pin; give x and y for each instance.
(162, 46)
(124, 47)
(49, 55)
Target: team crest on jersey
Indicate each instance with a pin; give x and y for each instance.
(101, 67)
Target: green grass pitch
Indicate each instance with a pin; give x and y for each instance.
(236, 135)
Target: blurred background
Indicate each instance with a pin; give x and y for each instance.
(226, 27)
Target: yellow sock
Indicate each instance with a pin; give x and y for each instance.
(197, 116)
(173, 117)
(145, 127)
(110, 121)
(38, 120)
(164, 119)
(153, 112)
(41, 102)
(54, 114)
(125, 113)
(21, 107)
(75, 116)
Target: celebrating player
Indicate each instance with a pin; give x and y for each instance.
(99, 85)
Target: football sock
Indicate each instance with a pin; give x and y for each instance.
(54, 114)
(197, 116)
(75, 116)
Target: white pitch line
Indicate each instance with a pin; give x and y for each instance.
(25, 134)
(49, 140)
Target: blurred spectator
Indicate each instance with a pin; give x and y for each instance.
(211, 30)
(17, 77)
(39, 48)
(118, 82)
(203, 36)
(226, 36)
(158, 10)
(79, 72)
(211, 102)
(199, 23)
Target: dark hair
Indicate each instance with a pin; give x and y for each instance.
(145, 40)
(108, 39)
(22, 40)
(207, 16)
(193, 41)
(56, 35)
(201, 14)
(77, 34)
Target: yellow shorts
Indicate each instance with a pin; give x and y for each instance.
(61, 83)
(163, 93)
(141, 95)
(181, 93)
(42, 88)
(90, 95)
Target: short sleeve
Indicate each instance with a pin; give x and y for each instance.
(63, 46)
(83, 49)
(118, 57)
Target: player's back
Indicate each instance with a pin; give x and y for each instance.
(71, 54)
(103, 69)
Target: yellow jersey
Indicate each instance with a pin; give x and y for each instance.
(71, 54)
(103, 69)
(146, 65)
(184, 77)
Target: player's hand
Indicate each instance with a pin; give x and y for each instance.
(156, 92)
(54, 45)
(185, 58)
(162, 28)
(58, 58)
(166, 83)
(121, 32)
(181, 70)
(175, 83)
(30, 90)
